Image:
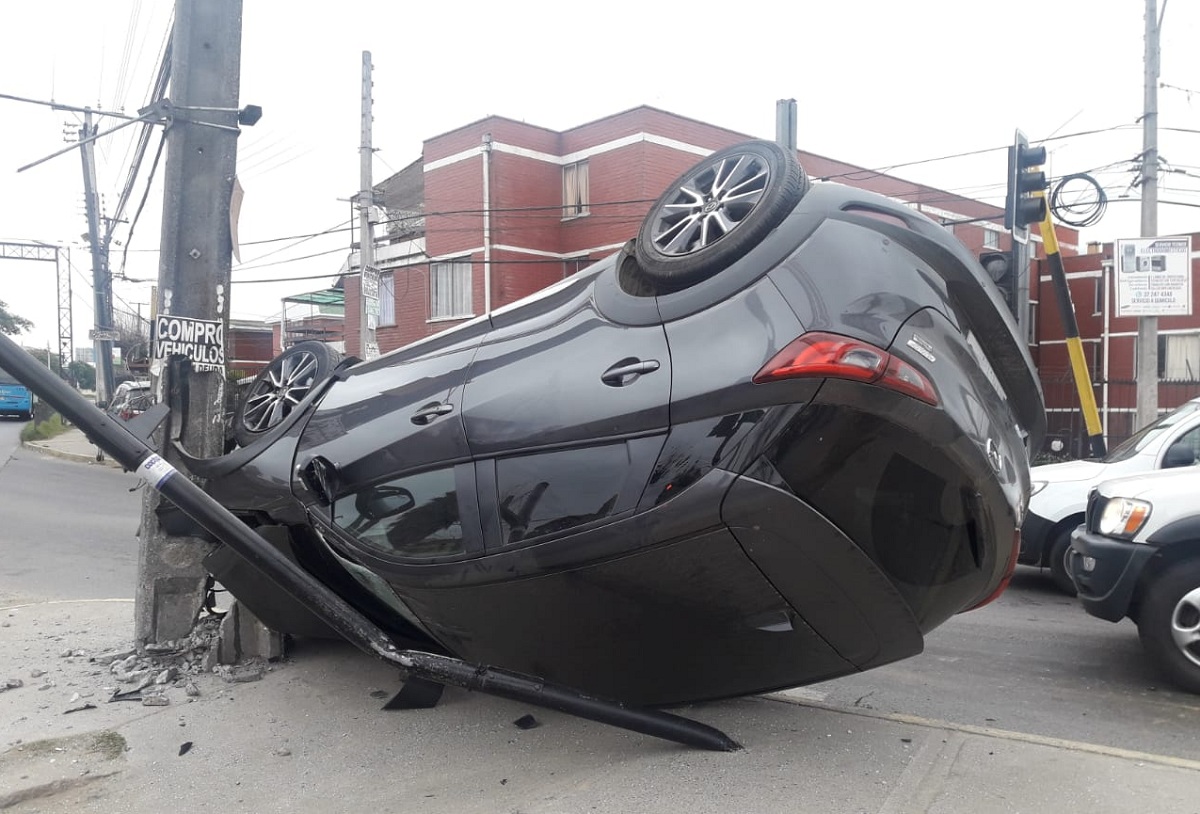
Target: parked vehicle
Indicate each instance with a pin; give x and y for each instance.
(130, 399)
(15, 398)
(1060, 491)
(1138, 556)
(776, 439)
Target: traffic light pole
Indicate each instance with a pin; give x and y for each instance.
(1066, 311)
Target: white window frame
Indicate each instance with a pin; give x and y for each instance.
(387, 299)
(991, 239)
(1179, 362)
(576, 190)
(450, 290)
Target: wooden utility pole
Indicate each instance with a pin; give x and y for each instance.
(1147, 345)
(368, 278)
(193, 283)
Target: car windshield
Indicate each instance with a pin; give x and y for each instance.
(1138, 441)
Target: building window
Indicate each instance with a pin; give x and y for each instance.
(991, 239)
(450, 290)
(1179, 357)
(1098, 302)
(574, 265)
(575, 189)
(1031, 326)
(387, 298)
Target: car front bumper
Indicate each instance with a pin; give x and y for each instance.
(1106, 571)
(1035, 534)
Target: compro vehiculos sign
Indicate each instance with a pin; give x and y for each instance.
(201, 340)
(1154, 277)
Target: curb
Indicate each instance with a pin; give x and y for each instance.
(99, 458)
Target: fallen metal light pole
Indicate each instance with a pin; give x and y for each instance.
(135, 455)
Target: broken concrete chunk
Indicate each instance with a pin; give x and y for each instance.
(11, 684)
(155, 700)
(112, 655)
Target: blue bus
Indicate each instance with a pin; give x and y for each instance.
(15, 398)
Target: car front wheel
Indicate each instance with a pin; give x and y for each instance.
(280, 387)
(1169, 623)
(1059, 551)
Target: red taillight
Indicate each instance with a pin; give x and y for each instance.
(822, 355)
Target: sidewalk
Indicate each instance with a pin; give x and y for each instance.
(72, 445)
(309, 736)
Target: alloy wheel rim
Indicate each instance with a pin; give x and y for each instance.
(1185, 625)
(710, 204)
(272, 398)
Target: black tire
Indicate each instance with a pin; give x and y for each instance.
(717, 211)
(1057, 559)
(279, 387)
(1169, 623)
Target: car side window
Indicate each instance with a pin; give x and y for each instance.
(1184, 451)
(416, 516)
(553, 492)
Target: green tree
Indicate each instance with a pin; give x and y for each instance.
(11, 323)
(47, 358)
(82, 374)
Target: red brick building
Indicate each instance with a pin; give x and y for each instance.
(498, 209)
(1110, 349)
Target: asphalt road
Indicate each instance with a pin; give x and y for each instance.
(67, 530)
(1032, 662)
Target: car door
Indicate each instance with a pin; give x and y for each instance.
(387, 418)
(565, 412)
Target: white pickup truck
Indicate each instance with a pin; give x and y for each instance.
(1139, 556)
(1059, 492)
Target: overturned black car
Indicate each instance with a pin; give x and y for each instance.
(776, 439)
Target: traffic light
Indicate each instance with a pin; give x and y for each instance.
(1025, 177)
(1001, 268)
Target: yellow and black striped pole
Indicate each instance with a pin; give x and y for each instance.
(1066, 310)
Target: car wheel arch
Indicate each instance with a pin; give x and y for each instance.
(1064, 526)
(1163, 560)
(1176, 581)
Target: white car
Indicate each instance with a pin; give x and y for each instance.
(1139, 556)
(1060, 491)
(130, 398)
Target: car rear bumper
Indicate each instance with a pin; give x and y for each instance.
(1106, 572)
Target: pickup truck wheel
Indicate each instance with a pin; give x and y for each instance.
(1058, 562)
(1169, 623)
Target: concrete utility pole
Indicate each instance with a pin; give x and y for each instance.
(785, 123)
(101, 280)
(193, 282)
(368, 309)
(1147, 346)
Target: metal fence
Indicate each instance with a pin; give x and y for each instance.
(1118, 412)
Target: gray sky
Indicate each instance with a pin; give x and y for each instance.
(877, 83)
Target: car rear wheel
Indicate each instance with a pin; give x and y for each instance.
(716, 211)
(1058, 562)
(282, 385)
(1169, 623)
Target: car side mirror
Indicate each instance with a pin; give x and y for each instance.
(1181, 453)
(383, 501)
